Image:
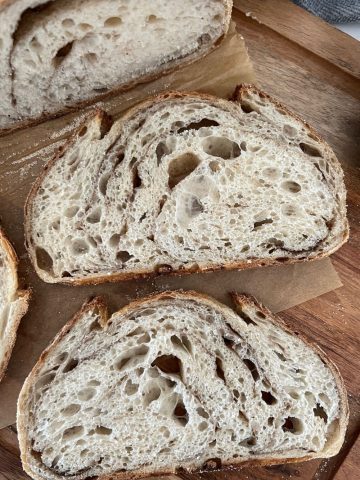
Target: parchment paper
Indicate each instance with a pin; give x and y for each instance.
(22, 157)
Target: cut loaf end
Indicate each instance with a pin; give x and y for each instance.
(13, 302)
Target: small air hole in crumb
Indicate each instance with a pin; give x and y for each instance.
(113, 22)
(152, 19)
(85, 27)
(290, 186)
(67, 23)
(310, 150)
(82, 131)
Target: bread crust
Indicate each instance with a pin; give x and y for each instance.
(23, 297)
(175, 65)
(96, 279)
(239, 300)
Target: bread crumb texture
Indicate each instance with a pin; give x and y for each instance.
(55, 54)
(175, 381)
(187, 182)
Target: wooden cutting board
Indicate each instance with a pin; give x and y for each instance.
(315, 70)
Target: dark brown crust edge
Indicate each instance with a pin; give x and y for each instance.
(22, 295)
(176, 65)
(239, 300)
(123, 276)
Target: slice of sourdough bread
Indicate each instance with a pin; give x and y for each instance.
(13, 302)
(58, 54)
(177, 380)
(186, 182)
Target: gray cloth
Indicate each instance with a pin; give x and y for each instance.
(334, 11)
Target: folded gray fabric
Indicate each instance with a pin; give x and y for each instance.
(334, 11)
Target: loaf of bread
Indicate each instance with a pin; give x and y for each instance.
(177, 381)
(57, 54)
(13, 302)
(185, 183)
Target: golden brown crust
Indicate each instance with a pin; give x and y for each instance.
(239, 300)
(23, 297)
(241, 265)
(176, 65)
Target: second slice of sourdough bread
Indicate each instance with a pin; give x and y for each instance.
(186, 182)
(177, 380)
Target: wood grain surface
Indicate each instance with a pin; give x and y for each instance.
(314, 69)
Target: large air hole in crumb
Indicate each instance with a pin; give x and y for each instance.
(219, 369)
(221, 147)
(293, 425)
(292, 187)
(319, 411)
(252, 367)
(181, 167)
(205, 122)
(168, 364)
(70, 365)
(310, 150)
(43, 259)
(180, 413)
(268, 397)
